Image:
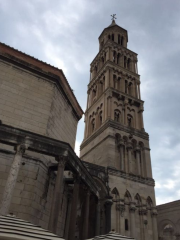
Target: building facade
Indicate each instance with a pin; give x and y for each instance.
(41, 178)
(115, 138)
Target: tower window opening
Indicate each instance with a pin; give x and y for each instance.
(102, 60)
(130, 88)
(118, 83)
(129, 120)
(105, 56)
(119, 39)
(109, 36)
(102, 43)
(118, 56)
(116, 116)
(122, 41)
(113, 37)
(114, 81)
(114, 56)
(128, 63)
(100, 118)
(93, 125)
(126, 86)
(125, 61)
(126, 225)
(100, 87)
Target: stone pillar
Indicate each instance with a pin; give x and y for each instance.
(86, 216)
(138, 152)
(154, 224)
(68, 214)
(122, 226)
(58, 194)
(11, 180)
(72, 225)
(132, 210)
(108, 205)
(129, 148)
(98, 210)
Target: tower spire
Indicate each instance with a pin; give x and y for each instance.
(113, 18)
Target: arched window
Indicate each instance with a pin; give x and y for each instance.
(129, 120)
(130, 88)
(114, 81)
(125, 62)
(149, 203)
(128, 63)
(127, 197)
(115, 194)
(122, 41)
(93, 125)
(117, 115)
(118, 57)
(118, 83)
(119, 39)
(100, 87)
(126, 225)
(138, 200)
(96, 69)
(102, 60)
(113, 37)
(126, 86)
(114, 56)
(100, 118)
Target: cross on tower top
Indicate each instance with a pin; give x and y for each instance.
(113, 17)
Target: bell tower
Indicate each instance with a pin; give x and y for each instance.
(115, 137)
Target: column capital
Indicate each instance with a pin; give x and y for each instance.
(137, 149)
(108, 201)
(154, 212)
(129, 146)
(120, 207)
(20, 149)
(132, 207)
(120, 143)
(62, 160)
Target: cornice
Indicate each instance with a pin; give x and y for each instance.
(125, 95)
(131, 177)
(110, 43)
(109, 65)
(118, 126)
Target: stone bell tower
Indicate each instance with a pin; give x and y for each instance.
(115, 137)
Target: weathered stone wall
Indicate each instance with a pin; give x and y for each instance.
(169, 220)
(33, 191)
(33, 103)
(118, 218)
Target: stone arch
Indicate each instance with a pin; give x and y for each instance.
(115, 193)
(149, 202)
(117, 115)
(127, 197)
(138, 200)
(166, 227)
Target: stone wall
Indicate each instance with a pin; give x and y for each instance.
(33, 191)
(33, 103)
(169, 220)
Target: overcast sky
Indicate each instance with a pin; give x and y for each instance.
(65, 34)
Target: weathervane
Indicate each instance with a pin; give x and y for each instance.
(113, 17)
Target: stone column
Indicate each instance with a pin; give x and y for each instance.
(86, 216)
(58, 194)
(138, 152)
(11, 180)
(154, 224)
(72, 225)
(122, 209)
(129, 148)
(108, 205)
(132, 210)
(98, 210)
(68, 215)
